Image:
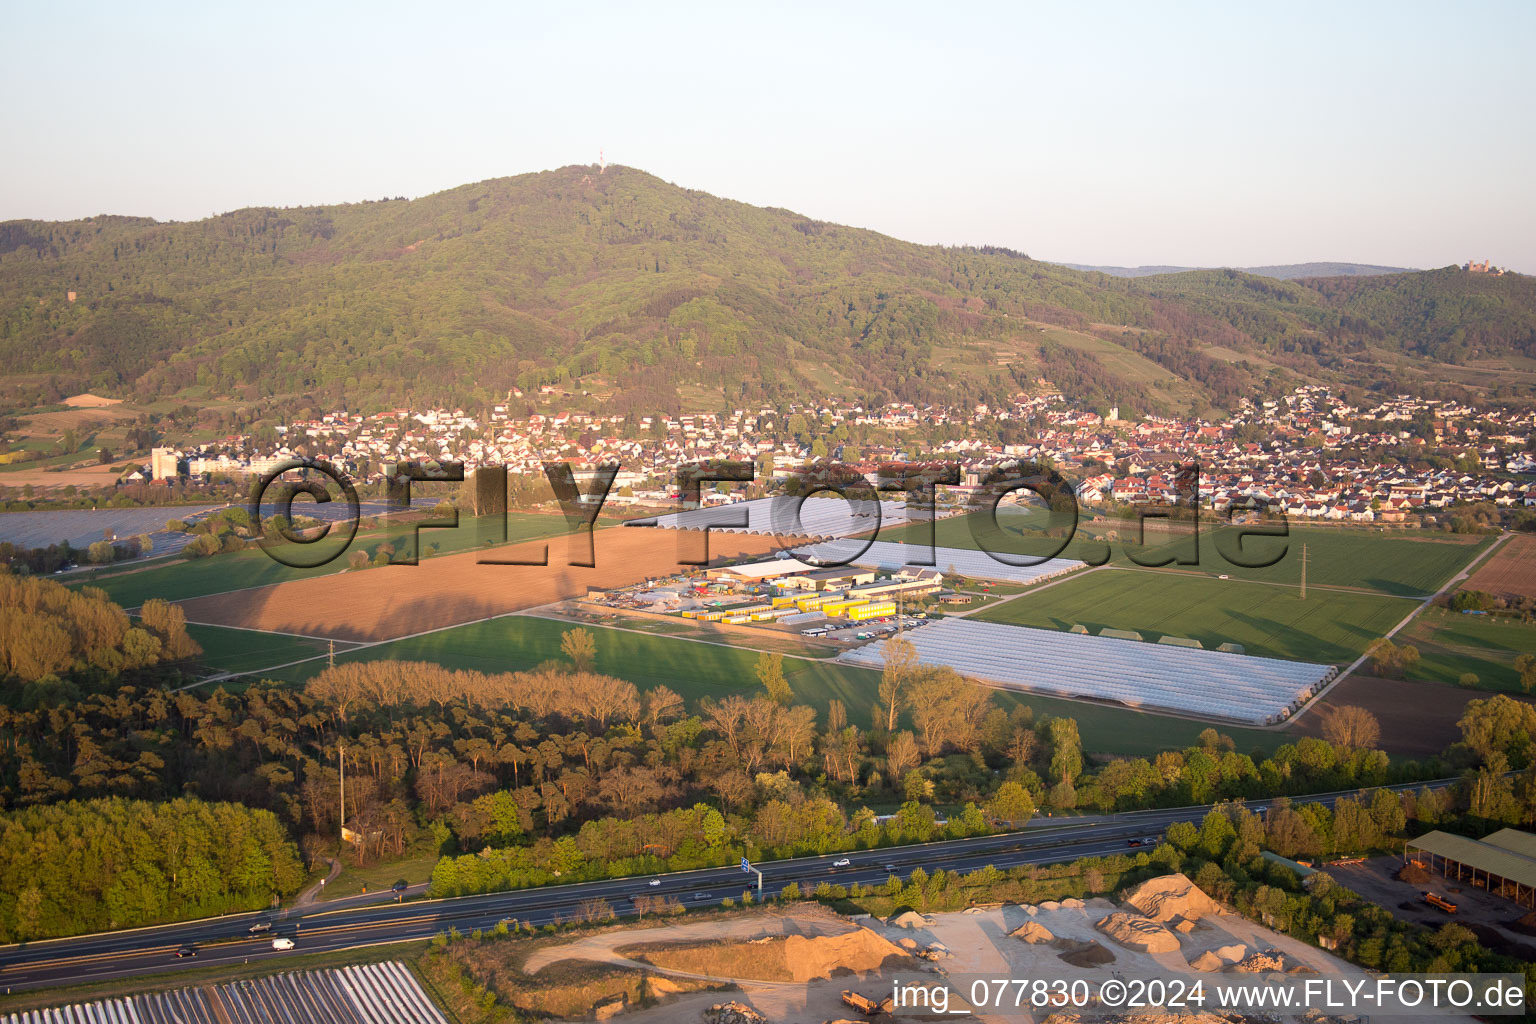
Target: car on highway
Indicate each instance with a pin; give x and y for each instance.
(183, 952)
(260, 926)
(654, 881)
(702, 896)
(401, 885)
(282, 942)
(1152, 840)
(842, 862)
(1133, 842)
(891, 868)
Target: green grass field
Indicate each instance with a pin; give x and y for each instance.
(249, 650)
(697, 670)
(1331, 626)
(1451, 644)
(1402, 564)
(218, 574)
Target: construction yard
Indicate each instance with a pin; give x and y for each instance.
(794, 964)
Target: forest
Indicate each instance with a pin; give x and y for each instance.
(628, 284)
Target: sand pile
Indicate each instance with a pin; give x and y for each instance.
(1413, 874)
(1169, 896)
(1033, 932)
(819, 956)
(908, 919)
(1207, 961)
(1088, 954)
(1138, 933)
(1233, 953)
(1072, 903)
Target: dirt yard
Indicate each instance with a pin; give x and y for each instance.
(394, 601)
(1495, 920)
(1176, 930)
(1509, 571)
(1417, 718)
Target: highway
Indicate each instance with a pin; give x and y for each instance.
(327, 928)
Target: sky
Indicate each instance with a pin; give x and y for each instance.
(1170, 133)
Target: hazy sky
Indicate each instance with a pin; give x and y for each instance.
(1180, 133)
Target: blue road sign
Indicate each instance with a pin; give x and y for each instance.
(745, 865)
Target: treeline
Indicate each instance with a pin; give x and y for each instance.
(51, 635)
(93, 865)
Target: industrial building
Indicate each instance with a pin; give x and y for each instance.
(1503, 863)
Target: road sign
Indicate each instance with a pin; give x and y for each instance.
(746, 865)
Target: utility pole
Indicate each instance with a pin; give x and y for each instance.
(341, 762)
(330, 659)
(1303, 572)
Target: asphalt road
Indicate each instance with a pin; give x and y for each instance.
(327, 927)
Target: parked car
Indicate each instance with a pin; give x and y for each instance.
(282, 942)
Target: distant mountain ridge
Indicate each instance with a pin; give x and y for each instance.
(1283, 271)
(614, 287)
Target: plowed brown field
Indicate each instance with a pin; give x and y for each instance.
(1417, 718)
(1509, 571)
(398, 600)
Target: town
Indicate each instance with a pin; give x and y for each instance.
(1307, 455)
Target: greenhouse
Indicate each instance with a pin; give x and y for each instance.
(1184, 680)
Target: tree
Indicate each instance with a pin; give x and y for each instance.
(900, 661)
(1066, 749)
(580, 647)
(770, 672)
(1468, 680)
(1351, 726)
(1011, 803)
(1525, 664)
(901, 755)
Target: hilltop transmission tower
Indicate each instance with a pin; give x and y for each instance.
(602, 165)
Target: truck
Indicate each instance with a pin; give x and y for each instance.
(282, 942)
(1440, 901)
(865, 1005)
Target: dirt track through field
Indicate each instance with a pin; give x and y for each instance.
(392, 601)
(1510, 571)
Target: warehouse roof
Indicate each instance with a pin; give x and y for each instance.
(1484, 856)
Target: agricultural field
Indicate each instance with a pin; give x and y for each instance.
(697, 670)
(1509, 571)
(1330, 626)
(219, 574)
(1451, 644)
(248, 650)
(1400, 563)
(390, 602)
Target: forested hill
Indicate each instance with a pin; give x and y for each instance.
(656, 296)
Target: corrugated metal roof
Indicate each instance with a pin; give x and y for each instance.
(1482, 856)
(1515, 841)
